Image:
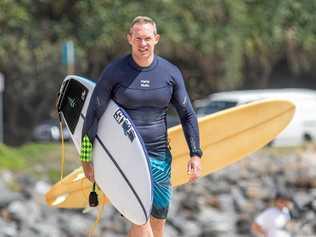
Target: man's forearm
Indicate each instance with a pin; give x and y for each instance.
(257, 230)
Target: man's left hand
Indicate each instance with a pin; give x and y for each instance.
(194, 168)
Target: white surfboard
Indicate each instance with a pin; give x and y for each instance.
(121, 165)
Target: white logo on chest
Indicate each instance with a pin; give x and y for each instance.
(144, 83)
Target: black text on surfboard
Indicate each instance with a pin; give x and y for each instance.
(125, 123)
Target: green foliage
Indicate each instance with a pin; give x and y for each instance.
(218, 44)
(10, 159)
(39, 160)
(22, 158)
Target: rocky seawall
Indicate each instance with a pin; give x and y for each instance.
(223, 204)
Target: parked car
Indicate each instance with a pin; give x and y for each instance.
(302, 128)
(49, 131)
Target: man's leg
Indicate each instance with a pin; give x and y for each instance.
(162, 190)
(141, 231)
(157, 226)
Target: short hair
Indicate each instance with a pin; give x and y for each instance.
(143, 20)
(283, 195)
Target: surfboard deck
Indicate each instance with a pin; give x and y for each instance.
(226, 137)
(121, 164)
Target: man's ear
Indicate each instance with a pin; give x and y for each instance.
(129, 38)
(157, 38)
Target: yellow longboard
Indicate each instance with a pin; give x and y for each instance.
(226, 137)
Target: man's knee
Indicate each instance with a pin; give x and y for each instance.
(140, 230)
(157, 223)
(143, 227)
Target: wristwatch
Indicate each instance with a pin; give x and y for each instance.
(196, 152)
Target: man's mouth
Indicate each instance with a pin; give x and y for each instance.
(143, 50)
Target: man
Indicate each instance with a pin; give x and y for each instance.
(272, 221)
(144, 84)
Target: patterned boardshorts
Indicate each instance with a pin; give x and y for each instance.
(161, 173)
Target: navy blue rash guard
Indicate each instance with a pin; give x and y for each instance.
(145, 94)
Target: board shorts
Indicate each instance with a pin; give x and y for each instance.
(162, 190)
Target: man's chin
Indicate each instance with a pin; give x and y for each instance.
(144, 56)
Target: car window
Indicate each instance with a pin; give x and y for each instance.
(215, 106)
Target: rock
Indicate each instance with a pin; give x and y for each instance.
(7, 196)
(46, 230)
(170, 231)
(8, 229)
(185, 227)
(223, 204)
(255, 190)
(242, 204)
(7, 176)
(76, 225)
(26, 231)
(110, 234)
(42, 187)
(243, 225)
(213, 220)
(25, 211)
(302, 199)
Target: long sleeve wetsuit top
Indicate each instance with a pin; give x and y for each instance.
(145, 94)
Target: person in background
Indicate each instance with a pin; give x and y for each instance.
(272, 221)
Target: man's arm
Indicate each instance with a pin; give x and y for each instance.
(258, 230)
(182, 103)
(194, 168)
(99, 101)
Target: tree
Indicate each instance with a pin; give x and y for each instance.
(218, 44)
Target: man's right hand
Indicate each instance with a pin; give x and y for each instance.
(88, 170)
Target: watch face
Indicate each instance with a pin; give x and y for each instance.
(197, 152)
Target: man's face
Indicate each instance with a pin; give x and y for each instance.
(283, 202)
(143, 40)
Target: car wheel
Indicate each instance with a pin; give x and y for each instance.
(307, 137)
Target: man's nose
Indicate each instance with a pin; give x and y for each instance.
(142, 42)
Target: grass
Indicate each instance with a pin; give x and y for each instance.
(11, 159)
(43, 160)
(39, 160)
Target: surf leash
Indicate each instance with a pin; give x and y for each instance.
(93, 202)
(93, 197)
(97, 221)
(62, 149)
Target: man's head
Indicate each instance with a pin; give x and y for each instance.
(143, 20)
(283, 199)
(143, 37)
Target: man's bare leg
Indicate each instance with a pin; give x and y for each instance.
(141, 231)
(157, 226)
